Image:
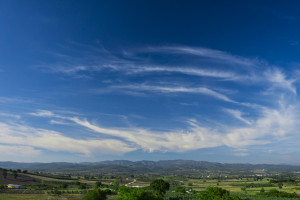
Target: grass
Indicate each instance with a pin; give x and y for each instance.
(232, 185)
(39, 197)
(257, 197)
(48, 178)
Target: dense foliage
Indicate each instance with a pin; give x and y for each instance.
(96, 194)
(160, 186)
(216, 193)
(276, 193)
(125, 193)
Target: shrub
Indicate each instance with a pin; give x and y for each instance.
(213, 193)
(276, 193)
(96, 194)
(82, 186)
(125, 193)
(160, 186)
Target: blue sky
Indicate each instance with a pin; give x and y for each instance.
(149, 80)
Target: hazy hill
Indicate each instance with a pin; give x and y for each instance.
(166, 167)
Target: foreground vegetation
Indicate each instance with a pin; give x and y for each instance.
(88, 187)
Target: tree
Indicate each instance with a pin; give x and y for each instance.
(82, 186)
(115, 185)
(15, 173)
(244, 188)
(181, 190)
(216, 193)
(126, 193)
(98, 184)
(96, 194)
(262, 190)
(4, 173)
(160, 186)
(64, 185)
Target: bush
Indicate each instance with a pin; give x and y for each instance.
(213, 193)
(82, 186)
(108, 191)
(96, 194)
(98, 184)
(276, 193)
(63, 185)
(126, 193)
(57, 192)
(180, 190)
(160, 186)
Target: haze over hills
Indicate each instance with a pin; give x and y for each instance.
(165, 167)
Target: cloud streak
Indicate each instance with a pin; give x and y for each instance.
(215, 55)
(273, 125)
(162, 89)
(32, 138)
(238, 69)
(238, 115)
(183, 70)
(279, 80)
(139, 72)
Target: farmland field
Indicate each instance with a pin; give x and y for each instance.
(245, 188)
(185, 183)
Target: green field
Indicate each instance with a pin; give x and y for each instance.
(42, 187)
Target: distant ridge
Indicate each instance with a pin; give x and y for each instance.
(166, 167)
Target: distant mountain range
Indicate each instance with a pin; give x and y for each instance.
(163, 167)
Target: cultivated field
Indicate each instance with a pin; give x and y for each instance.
(39, 186)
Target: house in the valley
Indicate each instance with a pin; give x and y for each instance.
(13, 186)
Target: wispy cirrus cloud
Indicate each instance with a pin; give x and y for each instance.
(215, 55)
(216, 64)
(59, 122)
(44, 113)
(279, 80)
(238, 115)
(36, 140)
(165, 89)
(18, 150)
(271, 126)
(10, 115)
(139, 72)
(184, 70)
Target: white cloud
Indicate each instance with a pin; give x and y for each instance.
(155, 141)
(238, 69)
(58, 122)
(10, 115)
(279, 80)
(162, 89)
(70, 70)
(238, 115)
(20, 135)
(240, 152)
(18, 150)
(267, 125)
(215, 55)
(183, 70)
(272, 126)
(43, 113)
